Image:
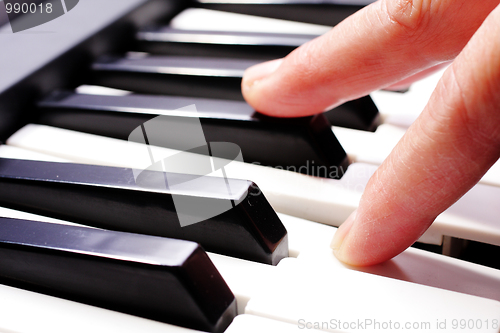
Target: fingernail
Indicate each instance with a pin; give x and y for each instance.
(259, 72)
(342, 232)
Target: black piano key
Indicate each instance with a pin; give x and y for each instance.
(208, 78)
(260, 46)
(325, 12)
(361, 114)
(163, 279)
(109, 198)
(306, 145)
(171, 75)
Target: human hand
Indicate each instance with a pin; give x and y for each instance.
(450, 146)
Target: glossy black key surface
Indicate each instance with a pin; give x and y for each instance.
(209, 78)
(163, 279)
(325, 12)
(306, 145)
(246, 45)
(109, 198)
(361, 114)
(171, 75)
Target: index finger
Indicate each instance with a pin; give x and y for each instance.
(381, 44)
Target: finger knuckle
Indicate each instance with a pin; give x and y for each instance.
(412, 16)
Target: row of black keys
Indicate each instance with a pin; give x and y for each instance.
(95, 266)
(213, 85)
(136, 272)
(306, 144)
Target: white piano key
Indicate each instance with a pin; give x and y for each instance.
(322, 200)
(307, 237)
(99, 90)
(328, 293)
(420, 267)
(312, 242)
(24, 154)
(252, 324)
(336, 2)
(16, 214)
(28, 312)
(212, 20)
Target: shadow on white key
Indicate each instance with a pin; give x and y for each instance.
(322, 293)
(28, 312)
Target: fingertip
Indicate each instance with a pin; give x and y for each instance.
(341, 233)
(258, 73)
(341, 242)
(354, 245)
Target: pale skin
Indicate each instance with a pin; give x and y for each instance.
(456, 139)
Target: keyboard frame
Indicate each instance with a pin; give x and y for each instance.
(57, 54)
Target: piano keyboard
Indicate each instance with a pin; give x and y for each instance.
(308, 289)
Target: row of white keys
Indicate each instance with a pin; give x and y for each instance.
(312, 287)
(329, 201)
(310, 243)
(316, 288)
(320, 294)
